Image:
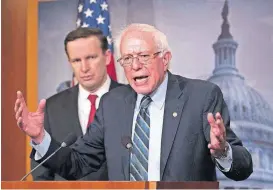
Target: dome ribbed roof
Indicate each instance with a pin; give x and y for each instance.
(244, 102)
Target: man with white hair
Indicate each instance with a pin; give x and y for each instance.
(179, 128)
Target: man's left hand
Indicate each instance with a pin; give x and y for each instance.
(217, 135)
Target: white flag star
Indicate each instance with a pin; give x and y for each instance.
(85, 25)
(80, 7)
(78, 23)
(93, 1)
(110, 29)
(88, 13)
(109, 40)
(104, 6)
(100, 20)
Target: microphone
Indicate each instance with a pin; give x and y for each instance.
(69, 140)
(127, 142)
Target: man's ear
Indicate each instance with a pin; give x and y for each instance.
(108, 55)
(167, 56)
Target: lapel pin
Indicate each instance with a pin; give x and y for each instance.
(174, 114)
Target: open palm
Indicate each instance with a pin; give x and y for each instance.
(32, 123)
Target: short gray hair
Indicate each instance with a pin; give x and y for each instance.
(159, 37)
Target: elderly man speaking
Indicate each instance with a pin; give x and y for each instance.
(179, 128)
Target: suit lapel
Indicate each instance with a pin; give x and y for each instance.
(128, 113)
(71, 106)
(175, 99)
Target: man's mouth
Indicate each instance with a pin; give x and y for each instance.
(141, 79)
(85, 78)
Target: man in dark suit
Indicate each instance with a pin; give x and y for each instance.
(179, 128)
(71, 110)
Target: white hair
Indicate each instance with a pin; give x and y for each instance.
(159, 37)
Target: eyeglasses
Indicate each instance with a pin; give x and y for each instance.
(143, 58)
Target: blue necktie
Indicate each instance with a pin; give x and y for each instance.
(140, 151)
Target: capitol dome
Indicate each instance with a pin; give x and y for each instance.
(251, 117)
(244, 102)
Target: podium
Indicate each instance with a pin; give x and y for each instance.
(107, 185)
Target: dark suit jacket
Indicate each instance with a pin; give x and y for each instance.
(61, 118)
(184, 152)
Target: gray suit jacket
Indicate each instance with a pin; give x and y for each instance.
(61, 118)
(184, 152)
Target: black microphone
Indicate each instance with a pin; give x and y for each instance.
(69, 140)
(127, 142)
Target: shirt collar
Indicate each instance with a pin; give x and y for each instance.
(83, 93)
(158, 96)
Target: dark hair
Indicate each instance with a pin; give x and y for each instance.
(85, 33)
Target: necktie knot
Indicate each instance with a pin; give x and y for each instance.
(92, 98)
(145, 102)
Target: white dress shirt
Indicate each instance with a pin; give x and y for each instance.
(84, 105)
(156, 111)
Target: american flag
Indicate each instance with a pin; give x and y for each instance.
(95, 14)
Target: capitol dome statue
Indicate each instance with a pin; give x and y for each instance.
(251, 116)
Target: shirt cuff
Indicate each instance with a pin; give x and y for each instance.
(224, 164)
(41, 148)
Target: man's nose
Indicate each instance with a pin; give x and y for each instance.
(84, 66)
(136, 65)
